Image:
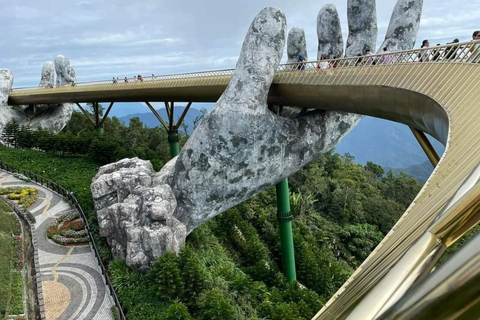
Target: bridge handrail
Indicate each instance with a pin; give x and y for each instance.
(73, 201)
(465, 52)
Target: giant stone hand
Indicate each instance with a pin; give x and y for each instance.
(240, 149)
(52, 117)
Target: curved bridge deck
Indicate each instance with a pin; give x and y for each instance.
(438, 97)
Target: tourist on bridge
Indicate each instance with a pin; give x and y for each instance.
(140, 78)
(301, 62)
(386, 57)
(114, 80)
(333, 63)
(437, 53)
(323, 64)
(125, 80)
(450, 52)
(424, 56)
(371, 58)
(475, 47)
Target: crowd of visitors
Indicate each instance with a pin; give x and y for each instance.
(386, 57)
(472, 50)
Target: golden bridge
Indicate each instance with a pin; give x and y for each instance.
(438, 95)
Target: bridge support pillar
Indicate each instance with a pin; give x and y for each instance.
(286, 234)
(171, 127)
(173, 142)
(99, 130)
(426, 146)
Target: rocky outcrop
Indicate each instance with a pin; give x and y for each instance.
(64, 70)
(48, 75)
(329, 32)
(404, 24)
(134, 215)
(362, 27)
(296, 44)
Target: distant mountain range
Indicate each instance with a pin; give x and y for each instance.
(421, 171)
(389, 144)
(151, 121)
(386, 143)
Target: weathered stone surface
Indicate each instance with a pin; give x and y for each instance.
(52, 117)
(329, 32)
(362, 27)
(6, 112)
(136, 216)
(6, 81)
(65, 72)
(404, 24)
(296, 44)
(47, 79)
(240, 149)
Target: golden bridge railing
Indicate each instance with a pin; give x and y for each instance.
(467, 52)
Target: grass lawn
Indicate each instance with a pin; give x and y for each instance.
(73, 173)
(11, 284)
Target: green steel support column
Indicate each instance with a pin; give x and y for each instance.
(98, 124)
(99, 130)
(173, 141)
(286, 235)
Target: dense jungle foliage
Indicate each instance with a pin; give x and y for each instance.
(231, 265)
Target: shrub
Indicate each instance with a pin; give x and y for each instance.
(177, 311)
(115, 313)
(214, 306)
(166, 276)
(193, 274)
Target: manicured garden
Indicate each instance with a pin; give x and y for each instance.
(24, 196)
(11, 263)
(68, 229)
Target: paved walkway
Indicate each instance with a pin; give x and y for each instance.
(72, 283)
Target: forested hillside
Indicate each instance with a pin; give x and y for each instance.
(231, 265)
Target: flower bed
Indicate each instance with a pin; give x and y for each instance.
(68, 229)
(25, 196)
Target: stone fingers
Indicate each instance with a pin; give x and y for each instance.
(329, 32)
(54, 117)
(260, 55)
(404, 24)
(296, 45)
(362, 27)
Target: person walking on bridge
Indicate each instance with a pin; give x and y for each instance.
(386, 57)
(424, 56)
(450, 52)
(475, 47)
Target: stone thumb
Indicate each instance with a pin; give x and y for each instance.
(259, 58)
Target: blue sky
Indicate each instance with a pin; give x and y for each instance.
(118, 38)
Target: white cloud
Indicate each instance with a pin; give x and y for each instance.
(114, 37)
(127, 39)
